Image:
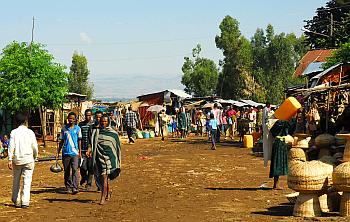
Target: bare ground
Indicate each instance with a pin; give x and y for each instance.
(163, 181)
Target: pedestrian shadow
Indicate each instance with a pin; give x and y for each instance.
(60, 190)
(238, 188)
(53, 200)
(282, 210)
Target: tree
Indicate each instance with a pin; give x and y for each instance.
(237, 60)
(274, 60)
(30, 79)
(200, 75)
(329, 28)
(340, 55)
(79, 76)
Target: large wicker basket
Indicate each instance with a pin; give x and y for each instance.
(324, 141)
(296, 154)
(341, 177)
(309, 176)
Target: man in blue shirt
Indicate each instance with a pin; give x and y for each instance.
(71, 152)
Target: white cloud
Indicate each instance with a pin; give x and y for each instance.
(85, 38)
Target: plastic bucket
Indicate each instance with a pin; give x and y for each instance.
(152, 134)
(139, 135)
(145, 135)
(288, 109)
(248, 141)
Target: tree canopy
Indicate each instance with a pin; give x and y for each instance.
(237, 59)
(330, 27)
(200, 75)
(340, 55)
(29, 78)
(79, 76)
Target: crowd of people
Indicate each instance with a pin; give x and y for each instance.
(214, 122)
(93, 145)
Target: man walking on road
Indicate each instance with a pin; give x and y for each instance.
(130, 119)
(86, 170)
(71, 152)
(23, 150)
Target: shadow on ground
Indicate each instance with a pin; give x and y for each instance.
(238, 188)
(52, 200)
(280, 210)
(60, 190)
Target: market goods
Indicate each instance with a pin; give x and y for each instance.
(346, 156)
(309, 179)
(296, 154)
(341, 178)
(324, 141)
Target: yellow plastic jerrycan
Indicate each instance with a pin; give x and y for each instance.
(288, 109)
(248, 141)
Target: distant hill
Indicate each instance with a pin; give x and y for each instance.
(114, 99)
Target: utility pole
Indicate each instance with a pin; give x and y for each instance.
(331, 34)
(32, 32)
(32, 39)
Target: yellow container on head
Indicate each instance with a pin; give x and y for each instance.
(288, 109)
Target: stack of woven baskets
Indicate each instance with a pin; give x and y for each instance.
(341, 178)
(324, 142)
(310, 179)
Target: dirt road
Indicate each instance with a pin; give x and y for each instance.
(162, 181)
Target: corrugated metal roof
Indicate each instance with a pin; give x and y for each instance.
(313, 68)
(180, 93)
(319, 55)
(326, 71)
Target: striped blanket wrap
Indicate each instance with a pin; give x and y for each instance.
(106, 152)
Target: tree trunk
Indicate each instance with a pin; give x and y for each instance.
(42, 111)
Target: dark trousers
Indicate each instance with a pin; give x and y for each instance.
(71, 162)
(130, 132)
(86, 170)
(213, 137)
(218, 131)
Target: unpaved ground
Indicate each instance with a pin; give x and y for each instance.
(162, 181)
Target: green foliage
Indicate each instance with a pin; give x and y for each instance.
(340, 55)
(200, 75)
(29, 78)
(79, 76)
(274, 60)
(325, 33)
(237, 60)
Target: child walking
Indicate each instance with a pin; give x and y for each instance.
(213, 126)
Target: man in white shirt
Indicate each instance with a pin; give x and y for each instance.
(23, 150)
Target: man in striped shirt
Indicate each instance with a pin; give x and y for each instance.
(130, 119)
(86, 170)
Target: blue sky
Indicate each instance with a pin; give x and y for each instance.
(137, 47)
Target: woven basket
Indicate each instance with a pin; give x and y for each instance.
(309, 176)
(345, 205)
(341, 177)
(307, 205)
(328, 160)
(324, 141)
(296, 154)
(338, 156)
(292, 197)
(324, 203)
(339, 141)
(323, 152)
